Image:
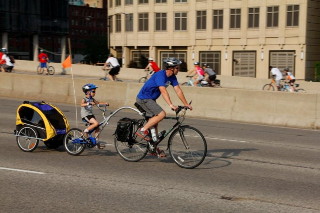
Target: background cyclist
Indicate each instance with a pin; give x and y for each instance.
(152, 66)
(276, 75)
(43, 59)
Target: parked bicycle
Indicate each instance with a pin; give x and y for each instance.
(50, 69)
(284, 86)
(148, 74)
(186, 144)
(203, 83)
(74, 140)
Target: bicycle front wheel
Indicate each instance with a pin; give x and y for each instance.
(51, 70)
(131, 151)
(268, 87)
(142, 80)
(27, 139)
(187, 147)
(73, 142)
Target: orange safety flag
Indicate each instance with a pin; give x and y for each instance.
(67, 62)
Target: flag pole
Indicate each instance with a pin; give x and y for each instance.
(74, 90)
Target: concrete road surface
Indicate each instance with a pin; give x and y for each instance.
(249, 168)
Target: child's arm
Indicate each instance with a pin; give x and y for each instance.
(83, 103)
(100, 103)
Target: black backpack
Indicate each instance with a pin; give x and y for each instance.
(124, 129)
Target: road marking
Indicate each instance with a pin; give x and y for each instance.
(232, 140)
(21, 170)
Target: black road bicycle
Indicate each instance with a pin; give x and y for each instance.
(187, 146)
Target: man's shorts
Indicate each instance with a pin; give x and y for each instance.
(114, 71)
(150, 106)
(43, 65)
(212, 77)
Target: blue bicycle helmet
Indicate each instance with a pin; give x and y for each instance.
(88, 87)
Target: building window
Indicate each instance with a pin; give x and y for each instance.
(118, 23)
(244, 63)
(128, 2)
(161, 1)
(282, 59)
(118, 3)
(292, 15)
(253, 17)
(273, 16)
(129, 22)
(161, 21)
(211, 58)
(201, 20)
(139, 57)
(143, 1)
(217, 19)
(180, 21)
(180, 1)
(235, 18)
(111, 3)
(143, 22)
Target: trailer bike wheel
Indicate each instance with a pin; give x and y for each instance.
(142, 80)
(187, 147)
(40, 70)
(73, 142)
(51, 70)
(268, 87)
(27, 139)
(131, 151)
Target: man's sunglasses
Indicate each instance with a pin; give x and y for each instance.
(93, 91)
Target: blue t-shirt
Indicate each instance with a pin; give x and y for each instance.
(150, 89)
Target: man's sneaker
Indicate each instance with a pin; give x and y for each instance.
(159, 153)
(143, 134)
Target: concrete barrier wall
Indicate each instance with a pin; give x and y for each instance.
(135, 74)
(275, 108)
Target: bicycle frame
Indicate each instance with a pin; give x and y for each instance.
(105, 121)
(176, 125)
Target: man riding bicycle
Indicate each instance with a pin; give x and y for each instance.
(151, 91)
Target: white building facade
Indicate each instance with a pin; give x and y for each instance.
(235, 37)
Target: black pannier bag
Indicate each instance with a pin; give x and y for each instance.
(124, 129)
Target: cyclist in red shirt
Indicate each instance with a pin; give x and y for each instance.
(3, 52)
(152, 66)
(43, 59)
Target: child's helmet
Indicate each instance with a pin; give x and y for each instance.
(88, 87)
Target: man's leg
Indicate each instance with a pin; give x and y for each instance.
(154, 120)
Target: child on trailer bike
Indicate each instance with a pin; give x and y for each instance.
(87, 115)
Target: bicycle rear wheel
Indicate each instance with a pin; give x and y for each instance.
(51, 70)
(27, 139)
(73, 142)
(131, 151)
(187, 147)
(268, 87)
